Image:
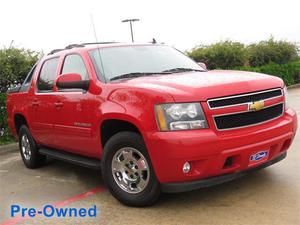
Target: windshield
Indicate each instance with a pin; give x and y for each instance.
(114, 62)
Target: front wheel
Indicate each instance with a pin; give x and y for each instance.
(28, 149)
(127, 170)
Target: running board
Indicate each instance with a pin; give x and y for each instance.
(71, 158)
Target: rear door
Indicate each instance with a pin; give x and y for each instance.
(43, 103)
(74, 112)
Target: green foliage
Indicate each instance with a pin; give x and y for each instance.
(289, 72)
(14, 66)
(5, 136)
(269, 51)
(227, 54)
(223, 55)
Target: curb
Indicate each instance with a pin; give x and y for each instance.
(9, 147)
(293, 86)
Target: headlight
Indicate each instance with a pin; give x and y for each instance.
(184, 116)
(286, 98)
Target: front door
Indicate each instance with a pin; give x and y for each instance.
(74, 113)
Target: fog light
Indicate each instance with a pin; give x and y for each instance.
(186, 167)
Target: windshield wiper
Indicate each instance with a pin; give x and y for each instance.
(137, 74)
(179, 69)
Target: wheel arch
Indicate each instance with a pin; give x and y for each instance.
(114, 123)
(19, 120)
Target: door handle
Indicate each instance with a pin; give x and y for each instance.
(58, 104)
(35, 103)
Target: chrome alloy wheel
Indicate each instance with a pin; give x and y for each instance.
(26, 148)
(130, 170)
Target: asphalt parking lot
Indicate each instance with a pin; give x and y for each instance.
(269, 196)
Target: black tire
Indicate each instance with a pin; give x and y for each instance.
(151, 192)
(35, 159)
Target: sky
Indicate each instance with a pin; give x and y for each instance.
(184, 24)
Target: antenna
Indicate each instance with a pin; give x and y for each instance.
(99, 53)
(11, 44)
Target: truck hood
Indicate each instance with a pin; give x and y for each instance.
(200, 86)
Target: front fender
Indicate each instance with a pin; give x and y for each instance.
(134, 105)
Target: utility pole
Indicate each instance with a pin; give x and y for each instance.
(130, 22)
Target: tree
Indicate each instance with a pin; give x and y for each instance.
(225, 55)
(14, 65)
(272, 51)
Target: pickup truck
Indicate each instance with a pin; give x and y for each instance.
(152, 119)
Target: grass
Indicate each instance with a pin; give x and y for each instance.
(6, 139)
(7, 142)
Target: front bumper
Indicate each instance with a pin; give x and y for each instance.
(208, 150)
(190, 186)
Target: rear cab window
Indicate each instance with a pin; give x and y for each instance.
(26, 84)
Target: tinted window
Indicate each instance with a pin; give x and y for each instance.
(75, 64)
(48, 74)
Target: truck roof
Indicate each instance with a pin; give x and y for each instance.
(94, 45)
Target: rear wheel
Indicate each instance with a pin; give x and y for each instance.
(28, 149)
(127, 170)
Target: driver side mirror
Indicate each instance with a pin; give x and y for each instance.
(72, 81)
(203, 65)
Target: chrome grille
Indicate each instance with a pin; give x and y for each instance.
(251, 116)
(248, 118)
(245, 98)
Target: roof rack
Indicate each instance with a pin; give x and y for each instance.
(74, 46)
(55, 50)
(99, 43)
(79, 46)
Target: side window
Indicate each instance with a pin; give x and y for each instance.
(75, 64)
(47, 75)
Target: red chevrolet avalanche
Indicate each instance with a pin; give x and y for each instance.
(150, 118)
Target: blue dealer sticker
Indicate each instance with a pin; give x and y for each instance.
(259, 156)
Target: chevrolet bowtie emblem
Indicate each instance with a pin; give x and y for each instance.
(256, 106)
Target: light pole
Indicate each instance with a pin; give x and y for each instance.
(130, 22)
